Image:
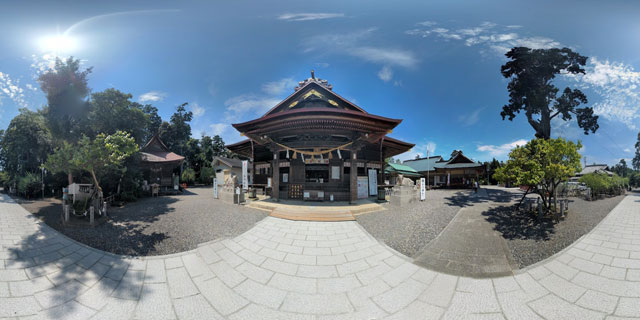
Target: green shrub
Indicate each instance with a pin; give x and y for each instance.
(206, 175)
(188, 176)
(29, 184)
(634, 180)
(600, 183)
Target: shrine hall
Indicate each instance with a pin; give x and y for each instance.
(317, 145)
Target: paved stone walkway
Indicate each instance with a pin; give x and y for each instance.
(284, 269)
(469, 245)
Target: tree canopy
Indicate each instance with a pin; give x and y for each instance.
(26, 143)
(531, 89)
(541, 165)
(94, 155)
(66, 89)
(177, 132)
(636, 159)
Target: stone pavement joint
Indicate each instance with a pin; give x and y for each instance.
(283, 269)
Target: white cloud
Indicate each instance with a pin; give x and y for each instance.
(237, 108)
(427, 23)
(618, 86)
(152, 96)
(471, 118)
(197, 109)
(565, 129)
(628, 150)
(490, 35)
(218, 128)
(279, 87)
(309, 16)
(42, 63)
(11, 88)
(501, 150)
(419, 150)
(357, 44)
(385, 74)
(403, 58)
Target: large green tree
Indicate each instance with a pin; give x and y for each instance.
(531, 89)
(541, 165)
(154, 121)
(66, 89)
(636, 159)
(26, 143)
(177, 132)
(622, 169)
(94, 156)
(113, 110)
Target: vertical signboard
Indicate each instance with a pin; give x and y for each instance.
(373, 182)
(423, 189)
(245, 175)
(215, 188)
(363, 187)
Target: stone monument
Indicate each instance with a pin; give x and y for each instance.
(228, 191)
(403, 193)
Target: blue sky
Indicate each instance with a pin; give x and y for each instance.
(436, 65)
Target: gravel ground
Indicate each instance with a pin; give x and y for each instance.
(530, 241)
(410, 228)
(156, 226)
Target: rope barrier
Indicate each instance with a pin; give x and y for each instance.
(313, 153)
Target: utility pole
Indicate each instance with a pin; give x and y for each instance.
(427, 162)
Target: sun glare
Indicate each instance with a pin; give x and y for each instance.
(58, 43)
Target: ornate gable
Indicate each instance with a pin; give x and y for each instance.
(313, 93)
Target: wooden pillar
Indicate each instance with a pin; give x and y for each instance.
(381, 175)
(353, 177)
(275, 178)
(253, 165)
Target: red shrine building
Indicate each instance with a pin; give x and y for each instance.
(316, 145)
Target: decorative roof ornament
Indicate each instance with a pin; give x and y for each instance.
(313, 78)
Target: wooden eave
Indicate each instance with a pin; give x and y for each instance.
(318, 119)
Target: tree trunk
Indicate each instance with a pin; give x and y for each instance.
(525, 195)
(70, 177)
(95, 180)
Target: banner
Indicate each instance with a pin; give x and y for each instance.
(423, 189)
(373, 182)
(215, 188)
(245, 175)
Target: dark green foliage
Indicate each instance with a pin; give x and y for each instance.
(25, 145)
(113, 110)
(491, 168)
(531, 89)
(176, 133)
(621, 169)
(188, 176)
(66, 89)
(634, 179)
(30, 184)
(636, 159)
(206, 175)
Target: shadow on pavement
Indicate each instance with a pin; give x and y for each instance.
(464, 198)
(122, 233)
(60, 271)
(517, 224)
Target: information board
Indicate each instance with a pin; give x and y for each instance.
(245, 175)
(373, 182)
